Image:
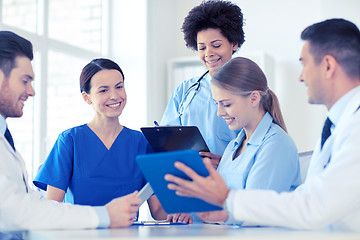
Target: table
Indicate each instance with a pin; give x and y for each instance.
(190, 232)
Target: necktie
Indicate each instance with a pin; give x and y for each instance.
(326, 131)
(9, 138)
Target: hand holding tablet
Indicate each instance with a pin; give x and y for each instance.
(155, 166)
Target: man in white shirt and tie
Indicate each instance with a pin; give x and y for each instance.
(20, 207)
(330, 196)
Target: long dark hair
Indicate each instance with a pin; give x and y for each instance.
(241, 76)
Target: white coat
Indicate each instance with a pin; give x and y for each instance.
(329, 198)
(21, 210)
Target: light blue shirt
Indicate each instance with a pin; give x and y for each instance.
(270, 161)
(2, 125)
(104, 218)
(200, 111)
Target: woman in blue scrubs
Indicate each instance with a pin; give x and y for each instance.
(94, 163)
(215, 30)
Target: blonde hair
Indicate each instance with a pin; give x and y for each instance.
(241, 76)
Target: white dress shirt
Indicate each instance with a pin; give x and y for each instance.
(29, 210)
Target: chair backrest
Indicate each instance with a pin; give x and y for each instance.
(304, 160)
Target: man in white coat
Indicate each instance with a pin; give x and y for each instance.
(20, 207)
(330, 196)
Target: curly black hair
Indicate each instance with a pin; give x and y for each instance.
(219, 14)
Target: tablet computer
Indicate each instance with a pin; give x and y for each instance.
(173, 138)
(155, 166)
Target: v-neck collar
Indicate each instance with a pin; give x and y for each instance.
(97, 137)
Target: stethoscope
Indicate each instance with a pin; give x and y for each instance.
(195, 87)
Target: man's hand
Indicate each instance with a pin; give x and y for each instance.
(211, 189)
(213, 217)
(123, 210)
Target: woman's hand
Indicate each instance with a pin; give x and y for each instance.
(180, 217)
(214, 158)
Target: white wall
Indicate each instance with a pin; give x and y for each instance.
(272, 27)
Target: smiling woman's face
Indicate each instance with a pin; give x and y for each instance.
(238, 111)
(107, 93)
(214, 49)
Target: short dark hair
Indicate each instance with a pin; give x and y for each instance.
(12, 46)
(92, 68)
(336, 37)
(222, 15)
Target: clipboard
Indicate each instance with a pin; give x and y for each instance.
(174, 138)
(155, 166)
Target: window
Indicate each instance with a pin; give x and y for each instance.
(20, 14)
(66, 34)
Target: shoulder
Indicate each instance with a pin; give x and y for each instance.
(133, 134)
(351, 115)
(278, 136)
(73, 132)
(280, 146)
(348, 126)
(136, 140)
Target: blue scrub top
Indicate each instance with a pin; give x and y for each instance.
(81, 165)
(201, 112)
(270, 161)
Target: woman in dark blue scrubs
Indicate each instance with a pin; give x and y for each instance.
(94, 163)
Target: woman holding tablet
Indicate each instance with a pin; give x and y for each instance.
(263, 155)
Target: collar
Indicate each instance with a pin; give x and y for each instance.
(259, 133)
(2, 125)
(207, 77)
(338, 108)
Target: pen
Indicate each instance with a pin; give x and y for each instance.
(156, 123)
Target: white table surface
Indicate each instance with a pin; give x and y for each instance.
(193, 231)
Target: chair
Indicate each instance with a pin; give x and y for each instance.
(304, 160)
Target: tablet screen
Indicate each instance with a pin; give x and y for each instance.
(154, 167)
